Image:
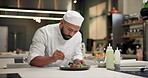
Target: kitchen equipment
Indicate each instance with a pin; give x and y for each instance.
(143, 68)
(144, 14)
(10, 75)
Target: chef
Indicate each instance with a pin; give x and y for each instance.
(58, 44)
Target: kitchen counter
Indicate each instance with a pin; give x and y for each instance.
(93, 72)
(55, 72)
(129, 56)
(12, 55)
(18, 58)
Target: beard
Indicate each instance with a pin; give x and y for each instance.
(65, 36)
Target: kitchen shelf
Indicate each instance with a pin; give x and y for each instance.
(133, 36)
(135, 23)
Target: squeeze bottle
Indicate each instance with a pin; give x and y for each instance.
(110, 58)
(117, 59)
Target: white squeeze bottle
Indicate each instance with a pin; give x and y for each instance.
(110, 58)
(117, 59)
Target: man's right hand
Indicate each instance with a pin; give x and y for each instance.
(58, 55)
(42, 60)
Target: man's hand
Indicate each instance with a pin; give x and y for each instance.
(58, 55)
(42, 60)
(80, 61)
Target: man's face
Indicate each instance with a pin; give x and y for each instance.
(68, 30)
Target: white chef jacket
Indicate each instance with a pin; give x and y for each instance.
(48, 39)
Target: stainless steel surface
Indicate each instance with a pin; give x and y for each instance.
(3, 38)
(34, 9)
(145, 40)
(37, 4)
(15, 37)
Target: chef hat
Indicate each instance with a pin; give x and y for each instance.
(73, 17)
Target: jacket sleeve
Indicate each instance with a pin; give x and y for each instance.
(37, 47)
(78, 50)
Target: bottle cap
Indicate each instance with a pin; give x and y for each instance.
(109, 46)
(117, 49)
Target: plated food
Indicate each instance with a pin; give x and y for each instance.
(75, 66)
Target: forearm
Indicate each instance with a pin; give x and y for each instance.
(41, 61)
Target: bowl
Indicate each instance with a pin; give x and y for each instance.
(100, 59)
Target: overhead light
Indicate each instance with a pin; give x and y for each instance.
(37, 19)
(32, 11)
(29, 17)
(75, 1)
